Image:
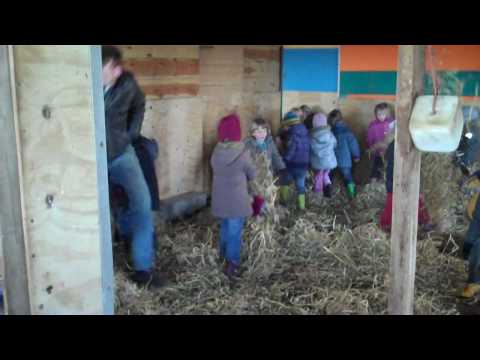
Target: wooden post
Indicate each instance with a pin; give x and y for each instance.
(54, 216)
(11, 223)
(406, 185)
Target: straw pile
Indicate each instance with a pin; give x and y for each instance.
(331, 259)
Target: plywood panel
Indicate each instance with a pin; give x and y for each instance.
(164, 71)
(221, 69)
(177, 125)
(261, 69)
(60, 182)
(325, 102)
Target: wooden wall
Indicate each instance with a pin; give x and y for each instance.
(170, 77)
(242, 79)
(58, 162)
(189, 88)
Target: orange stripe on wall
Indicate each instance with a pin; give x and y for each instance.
(456, 57)
(385, 57)
(368, 57)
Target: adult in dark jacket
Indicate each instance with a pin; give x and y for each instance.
(296, 156)
(124, 112)
(347, 148)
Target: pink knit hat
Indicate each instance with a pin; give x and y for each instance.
(319, 120)
(229, 129)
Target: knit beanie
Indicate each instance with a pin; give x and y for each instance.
(229, 129)
(319, 120)
(290, 119)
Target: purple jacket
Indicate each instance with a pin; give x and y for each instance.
(377, 131)
(297, 153)
(232, 170)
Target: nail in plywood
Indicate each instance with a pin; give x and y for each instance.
(406, 184)
(60, 178)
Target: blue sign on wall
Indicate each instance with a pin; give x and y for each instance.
(310, 70)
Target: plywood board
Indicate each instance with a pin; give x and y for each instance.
(57, 136)
(325, 102)
(261, 69)
(177, 126)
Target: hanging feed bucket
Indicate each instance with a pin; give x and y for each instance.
(440, 131)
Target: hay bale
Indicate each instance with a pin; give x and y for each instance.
(439, 183)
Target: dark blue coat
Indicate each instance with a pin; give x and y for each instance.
(347, 145)
(297, 153)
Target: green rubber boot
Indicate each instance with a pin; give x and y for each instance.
(351, 191)
(301, 202)
(284, 195)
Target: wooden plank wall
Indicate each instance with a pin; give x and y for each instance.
(55, 118)
(170, 77)
(240, 78)
(189, 88)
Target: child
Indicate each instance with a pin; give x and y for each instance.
(322, 153)
(296, 156)
(306, 111)
(266, 158)
(232, 169)
(386, 216)
(347, 148)
(377, 131)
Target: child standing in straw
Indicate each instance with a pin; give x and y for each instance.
(267, 161)
(377, 131)
(232, 170)
(322, 154)
(347, 148)
(296, 155)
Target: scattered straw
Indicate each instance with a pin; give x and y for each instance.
(330, 259)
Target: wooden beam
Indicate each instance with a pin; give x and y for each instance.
(63, 168)
(17, 296)
(406, 183)
(106, 249)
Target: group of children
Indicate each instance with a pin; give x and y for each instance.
(306, 141)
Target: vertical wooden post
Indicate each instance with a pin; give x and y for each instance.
(406, 185)
(11, 224)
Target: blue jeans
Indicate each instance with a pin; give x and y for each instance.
(471, 247)
(231, 230)
(136, 221)
(474, 264)
(297, 175)
(347, 175)
(473, 233)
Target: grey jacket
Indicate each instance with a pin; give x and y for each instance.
(232, 170)
(124, 112)
(277, 163)
(322, 149)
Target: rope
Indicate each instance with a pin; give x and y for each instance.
(435, 80)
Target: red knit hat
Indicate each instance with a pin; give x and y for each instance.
(229, 129)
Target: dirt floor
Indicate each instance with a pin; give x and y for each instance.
(330, 259)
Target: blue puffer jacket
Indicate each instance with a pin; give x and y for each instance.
(347, 145)
(297, 153)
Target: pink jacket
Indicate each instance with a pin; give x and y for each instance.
(377, 131)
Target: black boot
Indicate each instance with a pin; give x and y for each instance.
(149, 279)
(327, 191)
